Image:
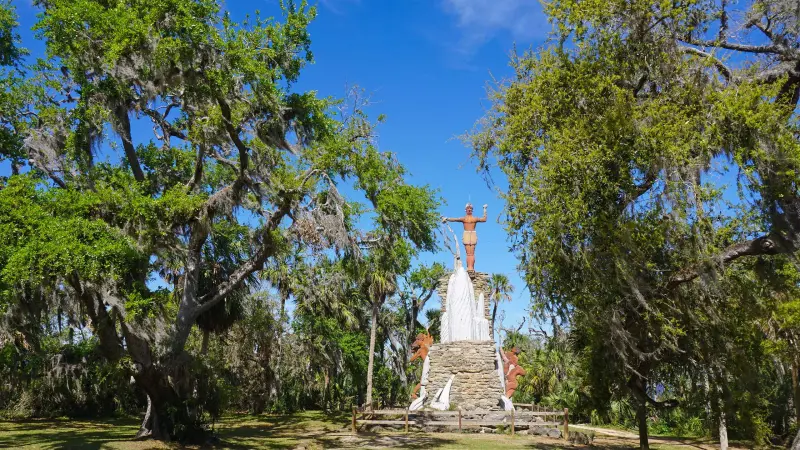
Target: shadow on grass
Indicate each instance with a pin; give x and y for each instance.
(64, 433)
(312, 428)
(305, 429)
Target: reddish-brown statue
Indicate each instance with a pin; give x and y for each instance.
(470, 237)
(421, 346)
(512, 369)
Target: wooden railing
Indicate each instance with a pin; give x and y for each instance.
(512, 419)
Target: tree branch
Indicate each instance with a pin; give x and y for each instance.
(161, 121)
(198, 168)
(224, 160)
(721, 67)
(790, 90)
(255, 263)
(43, 167)
(127, 143)
(521, 324)
(103, 326)
(769, 48)
(776, 73)
(770, 244)
(234, 134)
(650, 179)
(766, 30)
(637, 387)
(723, 21)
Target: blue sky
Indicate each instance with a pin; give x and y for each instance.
(426, 65)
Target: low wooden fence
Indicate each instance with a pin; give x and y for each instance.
(461, 419)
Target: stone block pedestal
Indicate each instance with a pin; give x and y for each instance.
(476, 385)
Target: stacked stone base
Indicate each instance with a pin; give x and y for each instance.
(476, 385)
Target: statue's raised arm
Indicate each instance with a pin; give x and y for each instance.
(452, 219)
(483, 219)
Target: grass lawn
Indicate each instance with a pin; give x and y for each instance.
(308, 430)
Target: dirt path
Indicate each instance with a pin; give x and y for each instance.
(633, 438)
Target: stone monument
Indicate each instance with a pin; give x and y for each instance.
(463, 369)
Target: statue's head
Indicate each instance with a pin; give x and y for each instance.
(468, 209)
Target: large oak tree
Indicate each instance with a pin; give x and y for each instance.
(167, 142)
(618, 140)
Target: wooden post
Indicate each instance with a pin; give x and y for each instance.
(354, 420)
(512, 421)
(566, 423)
(406, 421)
(459, 421)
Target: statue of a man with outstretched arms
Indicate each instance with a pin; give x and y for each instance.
(470, 237)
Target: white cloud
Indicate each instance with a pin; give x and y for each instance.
(338, 6)
(481, 20)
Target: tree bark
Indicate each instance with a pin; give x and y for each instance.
(796, 442)
(723, 429)
(204, 348)
(709, 406)
(796, 388)
(720, 394)
(411, 325)
(372, 338)
(165, 409)
(641, 420)
(124, 124)
(152, 427)
(166, 400)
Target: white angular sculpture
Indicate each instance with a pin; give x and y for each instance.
(460, 304)
(444, 330)
(419, 402)
(441, 400)
(500, 373)
(463, 318)
(505, 402)
(480, 328)
(507, 405)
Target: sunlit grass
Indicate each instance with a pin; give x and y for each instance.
(309, 430)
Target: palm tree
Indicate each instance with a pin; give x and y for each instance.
(500, 289)
(379, 285)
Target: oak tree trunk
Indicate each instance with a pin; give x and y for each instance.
(158, 423)
(152, 427)
(641, 420)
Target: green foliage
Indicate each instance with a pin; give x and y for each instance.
(553, 377)
(62, 379)
(41, 239)
(241, 174)
(677, 423)
(613, 140)
(434, 317)
(14, 91)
